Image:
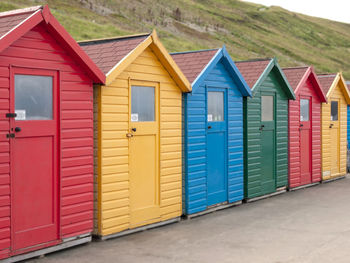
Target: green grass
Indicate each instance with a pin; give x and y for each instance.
(248, 30)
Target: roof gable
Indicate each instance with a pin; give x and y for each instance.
(330, 81)
(14, 24)
(257, 71)
(119, 53)
(298, 76)
(196, 65)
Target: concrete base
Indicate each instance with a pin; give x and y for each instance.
(303, 186)
(279, 191)
(66, 243)
(212, 209)
(333, 179)
(138, 229)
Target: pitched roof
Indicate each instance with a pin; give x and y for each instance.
(295, 75)
(107, 53)
(192, 63)
(14, 24)
(252, 69)
(10, 19)
(326, 81)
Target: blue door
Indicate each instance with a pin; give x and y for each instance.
(216, 146)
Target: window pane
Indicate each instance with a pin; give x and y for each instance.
(334, 110)
(215, 106)
(304, 110)
(33, 97)
(267, 108)
(142, 104)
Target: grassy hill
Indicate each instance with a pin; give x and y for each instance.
(248, 30)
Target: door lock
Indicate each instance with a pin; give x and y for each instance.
(261, 127)
(18, 129)
(330, 126)
(209, 127)
(133, 129)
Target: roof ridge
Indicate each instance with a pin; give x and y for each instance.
(296, 67)
(111, 39)
(20, 11)
(193, 51)
(253, 60)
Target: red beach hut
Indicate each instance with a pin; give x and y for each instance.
(46, 136)
(304, 127)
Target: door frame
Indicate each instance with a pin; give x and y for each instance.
(225, 89)
(274, 94)
(157, 117)
(56, 88)
(339, 128)
(307, 97)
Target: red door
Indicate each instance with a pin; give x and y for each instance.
(34, 168)
(305, 140)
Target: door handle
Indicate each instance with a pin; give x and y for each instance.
(301, 125)
(330, 126)
(18, 129)
(129, 135)
(133, 129)
(261, 127)
(209, 127)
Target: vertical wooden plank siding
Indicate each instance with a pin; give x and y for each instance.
(114, 173)
(252, 119)
(195, 142)
(38, 49)
(294, 135)
(326, 142)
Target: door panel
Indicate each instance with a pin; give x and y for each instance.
(216, 147)
(143, 154)
(334, 133)
(34, 158)
(305, 140)
(267, 128)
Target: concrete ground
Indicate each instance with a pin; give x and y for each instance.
(308, 225)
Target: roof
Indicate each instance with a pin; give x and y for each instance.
(114, 55)
(14, 24)
(330, 81)
(198, 64)
(106, 53)
(326, 81)
(295, 75)
(252, 69)
(193, 62)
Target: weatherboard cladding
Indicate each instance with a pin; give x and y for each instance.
(273, 82)
(38, 49)
(348, 86)
(309, 89)
(195, 155)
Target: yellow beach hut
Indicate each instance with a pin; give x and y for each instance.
(334, 126)
(138, 140)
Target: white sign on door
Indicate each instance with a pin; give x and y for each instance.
(21, 115)
(134, 117)
(210, 117)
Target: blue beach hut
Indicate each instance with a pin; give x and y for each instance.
(213, 130)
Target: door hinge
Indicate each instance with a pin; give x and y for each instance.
(10, 135)
(11, 115)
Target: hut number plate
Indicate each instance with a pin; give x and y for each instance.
(134, 117)
(21, 115)
(210, 117)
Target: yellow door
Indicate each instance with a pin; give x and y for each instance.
(334, 132)
(144, 153)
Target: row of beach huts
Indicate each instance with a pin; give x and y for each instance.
(111, 136)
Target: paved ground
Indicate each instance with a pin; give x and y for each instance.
(310, 225)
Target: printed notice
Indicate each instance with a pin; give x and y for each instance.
(210, 117)
(21, 115)
(134, 117)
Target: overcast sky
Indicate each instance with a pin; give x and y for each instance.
(338, 10)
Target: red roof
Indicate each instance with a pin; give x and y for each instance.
(326, 81)
(14, 24)
(251, 70)
(10, 19)
(192, 63)
(107, 53)
(295, 75)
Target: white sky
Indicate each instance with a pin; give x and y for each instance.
(338, 10)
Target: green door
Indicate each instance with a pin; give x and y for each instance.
(267, 129)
